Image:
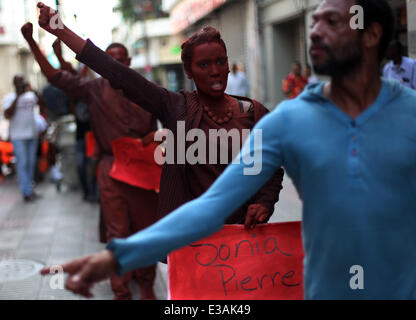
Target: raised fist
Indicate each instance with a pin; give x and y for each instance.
(49, 19)
(27, 31)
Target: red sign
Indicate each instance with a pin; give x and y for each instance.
(234, 264)
(134, 164)
(89, 144)
(187, 12)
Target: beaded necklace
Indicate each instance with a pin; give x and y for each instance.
(217, 119)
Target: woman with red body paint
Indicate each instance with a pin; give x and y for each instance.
(205, 61)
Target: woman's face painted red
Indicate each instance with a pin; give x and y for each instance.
(209, 68)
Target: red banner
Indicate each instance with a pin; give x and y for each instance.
(234, 264)
(134, 164)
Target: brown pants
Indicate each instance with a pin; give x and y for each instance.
(126, 210)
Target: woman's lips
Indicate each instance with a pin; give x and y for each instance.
(217, 85)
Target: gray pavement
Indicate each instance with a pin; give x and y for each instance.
(56, 228)
(60, 227)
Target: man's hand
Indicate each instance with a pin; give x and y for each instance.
(86, 271)
(27, 31)
(256, 213)
(49, 19)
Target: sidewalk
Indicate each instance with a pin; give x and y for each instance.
(55, 229)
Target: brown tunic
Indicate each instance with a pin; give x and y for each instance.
(176, 187)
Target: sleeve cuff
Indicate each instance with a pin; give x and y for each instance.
(114, 246)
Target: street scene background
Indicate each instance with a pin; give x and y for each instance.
(263, 36)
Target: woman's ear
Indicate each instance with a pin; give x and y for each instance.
(188, 73)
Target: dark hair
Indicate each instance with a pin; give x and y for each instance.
(379, 11)
(118, 45)
(207, 34)
(397, 45)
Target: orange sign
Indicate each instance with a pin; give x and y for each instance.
(134, 164)
(234, 264)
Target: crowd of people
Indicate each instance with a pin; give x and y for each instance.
(343, 142)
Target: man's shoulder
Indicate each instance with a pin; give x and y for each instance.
(400, 96)
(409, 60)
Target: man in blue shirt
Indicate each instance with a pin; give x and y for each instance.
(400, 68)
(350, 147)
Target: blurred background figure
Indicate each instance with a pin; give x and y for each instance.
(399, 67)
(309, 75)
(237, 81)
(19, 109)
(295, 82)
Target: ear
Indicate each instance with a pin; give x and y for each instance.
(372, 35)
(188, 73)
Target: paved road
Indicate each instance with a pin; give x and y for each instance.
(60, 227)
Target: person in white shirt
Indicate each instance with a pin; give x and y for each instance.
(237, 82)
(19, 110)
(400, 68)
(309, 75)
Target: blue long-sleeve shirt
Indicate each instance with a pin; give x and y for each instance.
(356, 177)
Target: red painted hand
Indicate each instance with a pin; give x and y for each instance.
(49, 19)
(86, 271)
(256, 213)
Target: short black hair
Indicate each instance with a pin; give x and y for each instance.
(379, 11)
(117, 45)
(396, 44)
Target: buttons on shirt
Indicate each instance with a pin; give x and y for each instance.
(353, 159)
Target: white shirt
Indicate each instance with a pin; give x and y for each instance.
(405, 73)
(22, 123)
(237, 84)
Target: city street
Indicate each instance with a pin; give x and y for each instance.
(60, 227)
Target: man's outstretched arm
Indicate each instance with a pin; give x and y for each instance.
(190, 222)
(73, 85)
(47, 69)
(65, 65)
